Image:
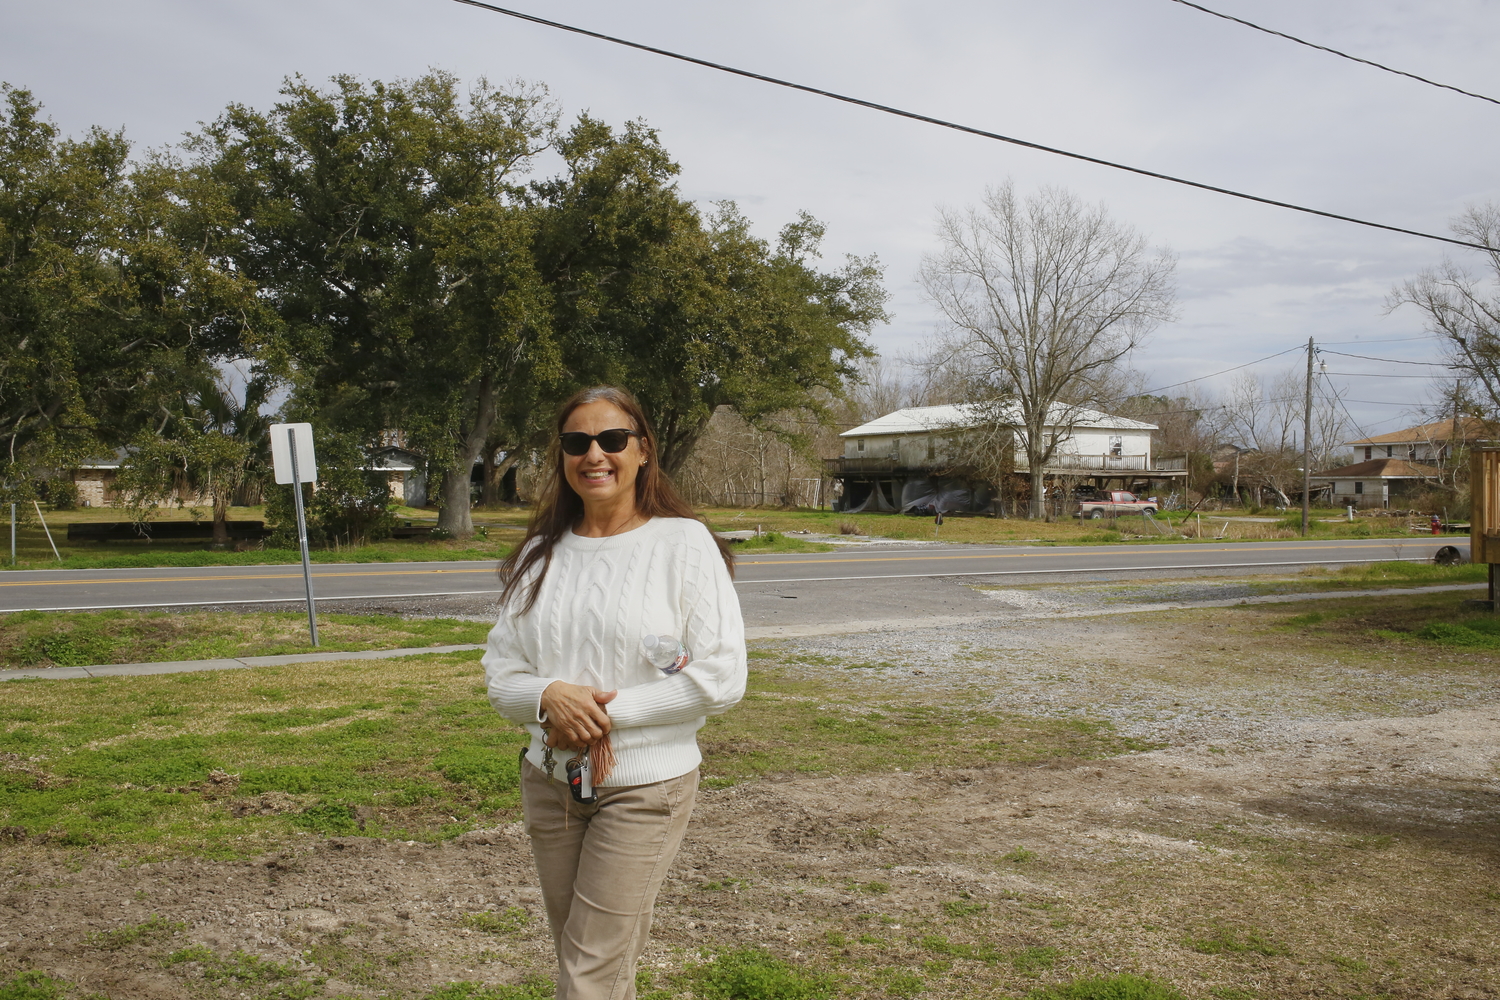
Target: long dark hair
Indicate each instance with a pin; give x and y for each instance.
(559, 507)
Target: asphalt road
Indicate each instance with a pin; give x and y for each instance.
(60, 590)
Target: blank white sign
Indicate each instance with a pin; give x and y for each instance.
(281, 453)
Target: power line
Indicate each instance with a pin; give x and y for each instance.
(1378, 375)
(1226, 371)
(1393, 361)
(1398, 340)
(968, 129)
(1336, 52)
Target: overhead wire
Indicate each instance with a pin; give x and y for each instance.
(1226, 371)
(1393, 361)
(1336, 52)
(968, 129)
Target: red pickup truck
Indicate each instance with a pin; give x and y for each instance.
(1115, 502)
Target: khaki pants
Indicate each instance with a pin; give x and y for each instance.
(600, 868)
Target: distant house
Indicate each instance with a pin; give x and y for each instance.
(917, 458)
(404, 472)
(1432, 443)
(1391, 468)
(1377, 482)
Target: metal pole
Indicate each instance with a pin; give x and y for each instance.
(48, 530)
(312, 615)
(12, 534)
(1307, 443)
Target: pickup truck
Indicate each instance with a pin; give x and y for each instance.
(1115, 502)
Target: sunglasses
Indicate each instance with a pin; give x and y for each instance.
(611, 442)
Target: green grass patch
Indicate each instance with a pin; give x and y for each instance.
(511, 920)
(85, 638)
(1222, 940)
(230, 761)
(786, 725)
(532, 989)
(32, 985)
(1476, 633)
(1374, 575)
(150, 928)
(754, 974)
(246, 972)
(775, 541)
(1121, 987)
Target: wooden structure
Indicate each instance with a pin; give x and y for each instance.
(1484, 520)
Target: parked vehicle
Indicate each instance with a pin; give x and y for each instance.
(1116, 502)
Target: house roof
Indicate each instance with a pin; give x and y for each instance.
(926, 419)
(1381, 468)
(1471, 429)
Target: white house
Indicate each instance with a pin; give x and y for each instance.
(913, 458)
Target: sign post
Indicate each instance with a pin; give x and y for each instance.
(292, 456)
(1484, 515)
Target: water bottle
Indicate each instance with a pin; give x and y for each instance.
(665, 653)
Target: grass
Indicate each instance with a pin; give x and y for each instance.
(405, 748)
(1122, 987)
(789, 723)
(775, 541)
(1373, 576)
(401, 748)
(755, 974)
(83, 638)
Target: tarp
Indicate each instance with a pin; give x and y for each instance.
(947, 495)
(875, 501)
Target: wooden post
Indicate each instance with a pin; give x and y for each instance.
(1484, 517)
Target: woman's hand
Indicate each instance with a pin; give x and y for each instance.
(575, 714)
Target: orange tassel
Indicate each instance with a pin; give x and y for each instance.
(601, 759)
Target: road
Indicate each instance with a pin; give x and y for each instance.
(62, 590)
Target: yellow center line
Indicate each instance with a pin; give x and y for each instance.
(1044, 553)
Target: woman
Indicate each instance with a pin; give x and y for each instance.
(612, 555)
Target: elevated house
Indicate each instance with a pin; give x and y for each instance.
(956, 457)
(1390, 468)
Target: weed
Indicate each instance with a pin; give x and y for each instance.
(1349, 964)
(754, 974)
(512, 920)
(1018, 856)
(1471, 635)
(1028, 961)
(32, 986)
(1121, 987)
(1222, 940)
(978, 953)
(118, 938)
(964, 908)
(901, 982)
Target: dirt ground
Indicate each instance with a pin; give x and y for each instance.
(1329, 827)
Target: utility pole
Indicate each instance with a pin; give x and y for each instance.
(1307, 443)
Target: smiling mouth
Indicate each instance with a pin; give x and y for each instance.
(598, 475)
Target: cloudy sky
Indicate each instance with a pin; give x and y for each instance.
(1148, 82)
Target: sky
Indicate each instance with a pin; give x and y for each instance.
(1151, 83)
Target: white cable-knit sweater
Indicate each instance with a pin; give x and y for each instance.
(600, 597)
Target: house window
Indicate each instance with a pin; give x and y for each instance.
(1390, 451)
(1411, 453)
(1359, 488)
(931, 448)
(1368, 456)
(1116, 445)
(859, 444)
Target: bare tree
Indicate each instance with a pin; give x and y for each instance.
(1048, 296)
(1464, 312)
